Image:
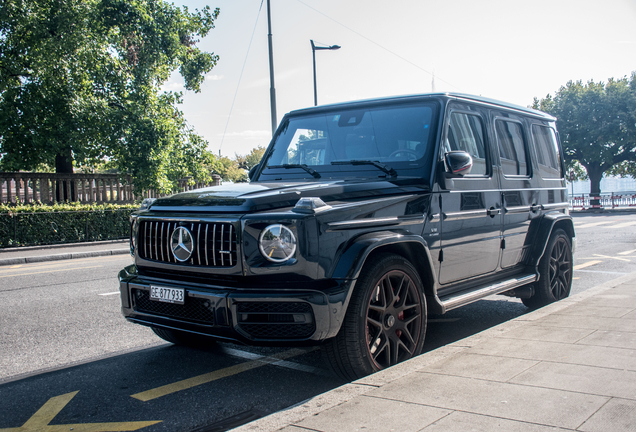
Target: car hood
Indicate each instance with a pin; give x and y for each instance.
(257, 196)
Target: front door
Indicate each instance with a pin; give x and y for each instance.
(471, 207)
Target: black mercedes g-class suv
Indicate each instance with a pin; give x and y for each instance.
(361, 219)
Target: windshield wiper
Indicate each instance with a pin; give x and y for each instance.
(387, 169)
(302, 166)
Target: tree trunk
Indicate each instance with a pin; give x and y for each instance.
(64, 165)
(596, 174)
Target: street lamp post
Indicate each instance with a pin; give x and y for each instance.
(315, 48)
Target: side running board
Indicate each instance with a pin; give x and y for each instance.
(456, 300)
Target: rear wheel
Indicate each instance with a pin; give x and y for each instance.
(385, 322)
(183, 338)
(555, 269)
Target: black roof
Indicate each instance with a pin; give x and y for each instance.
(405, 98)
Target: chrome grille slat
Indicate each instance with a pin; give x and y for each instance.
(156, 227)
(146, 239)
(222, 241)
(206, 244)
(222, 258)
(229, 243)
(214, 245)
(199, 243)
(161, 241)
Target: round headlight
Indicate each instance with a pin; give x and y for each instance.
(277, 243)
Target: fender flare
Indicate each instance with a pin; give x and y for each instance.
(353, 257)
(355, 254)
(549, 223)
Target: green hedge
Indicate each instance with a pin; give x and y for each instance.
(28, 225)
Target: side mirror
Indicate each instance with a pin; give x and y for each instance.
(458, 163)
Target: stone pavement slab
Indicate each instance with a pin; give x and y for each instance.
(569, 366)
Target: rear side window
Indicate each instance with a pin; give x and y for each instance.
(512, 148)
(547, 151)
(465, 132)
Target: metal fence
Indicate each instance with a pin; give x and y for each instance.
(41, 228)
(48, 188)
(610, 200)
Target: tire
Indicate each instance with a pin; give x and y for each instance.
(555, 270)
(385, 322)
(183, 338)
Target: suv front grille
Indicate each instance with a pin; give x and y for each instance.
(215, 244)
(194, 309)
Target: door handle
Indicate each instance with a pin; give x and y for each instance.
(493, 211)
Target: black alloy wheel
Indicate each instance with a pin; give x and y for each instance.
(560, 269)
(555, 269)
(394, 319)
(385, 322)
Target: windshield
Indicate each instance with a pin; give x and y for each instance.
(400, 138)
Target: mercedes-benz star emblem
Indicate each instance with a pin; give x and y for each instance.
(182, 244)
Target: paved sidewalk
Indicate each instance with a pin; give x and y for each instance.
(569, 366)
(23, 255)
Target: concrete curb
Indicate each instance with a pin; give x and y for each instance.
(340, 395)
(62, 256)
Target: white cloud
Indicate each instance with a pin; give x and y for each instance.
(173, 86)
(214, 77)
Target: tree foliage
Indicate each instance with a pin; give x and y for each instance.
(597, 125)
(81, 80)
(235, 170)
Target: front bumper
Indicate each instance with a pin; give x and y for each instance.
(255, 316)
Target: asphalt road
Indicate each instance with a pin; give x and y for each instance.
(67, 357)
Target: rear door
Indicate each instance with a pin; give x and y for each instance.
(520, 197)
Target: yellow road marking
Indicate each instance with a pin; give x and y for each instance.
(48, 271)
(623, 225)
(16, 266)
(213, 376)
(41, 419)
(587, 264)
(610, 257)
(627, 252)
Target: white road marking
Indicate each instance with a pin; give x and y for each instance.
(110, 293)
(283, 363)
(592, 224)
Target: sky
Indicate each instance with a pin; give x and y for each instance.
(511, 50)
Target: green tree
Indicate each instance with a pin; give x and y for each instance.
(235, 170)
(252, 159)
(597, 125)
(80, 83)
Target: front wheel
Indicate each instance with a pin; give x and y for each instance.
(385, 322)
(555, 269)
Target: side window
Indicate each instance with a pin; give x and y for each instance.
(512, 148)
(466, 132)
(547, 151)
